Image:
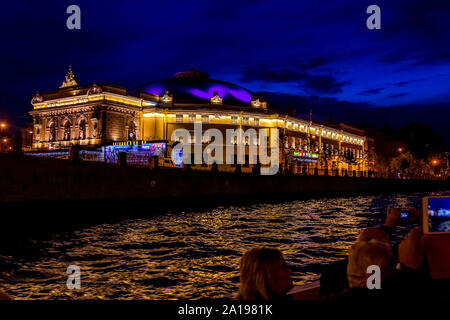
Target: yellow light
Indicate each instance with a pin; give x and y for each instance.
(153, 114)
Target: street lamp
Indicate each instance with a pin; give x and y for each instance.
(2, 127)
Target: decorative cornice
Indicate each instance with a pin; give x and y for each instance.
(71, 110)
(122, 109)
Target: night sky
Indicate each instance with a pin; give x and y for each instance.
(316, 54)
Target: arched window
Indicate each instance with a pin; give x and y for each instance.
(131, 131)
(82, 130)
(52, 136)
(67, 127)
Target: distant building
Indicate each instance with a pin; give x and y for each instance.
(27, 137)
(6, 144)
(103, 114)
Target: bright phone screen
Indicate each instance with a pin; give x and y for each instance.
(439, 214)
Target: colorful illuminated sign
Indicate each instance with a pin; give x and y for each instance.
(177, 157)
(306, 154)
(136, 152)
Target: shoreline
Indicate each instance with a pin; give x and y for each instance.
(51, 192)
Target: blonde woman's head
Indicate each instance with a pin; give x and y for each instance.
(264, 275)
(364, 254)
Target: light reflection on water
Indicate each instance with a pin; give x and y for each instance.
(195, 254)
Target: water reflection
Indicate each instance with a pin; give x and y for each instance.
(194, 254)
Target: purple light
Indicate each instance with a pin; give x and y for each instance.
(240, 94)
(199, 89)
(155, 89)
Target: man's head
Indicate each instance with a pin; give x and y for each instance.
(372, 233)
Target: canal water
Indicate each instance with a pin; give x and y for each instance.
(191, 254)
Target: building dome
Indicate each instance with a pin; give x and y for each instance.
(194, 86)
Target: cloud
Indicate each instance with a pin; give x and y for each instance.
(371, 92)
(323, 84)
(304, 75)
(397, 95)
(418, 32)
(402, 83)
(314, 63)
(363, 113)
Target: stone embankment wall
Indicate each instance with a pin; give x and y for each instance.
(29, 179)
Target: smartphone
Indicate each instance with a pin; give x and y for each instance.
(404, 215)
(436, 214)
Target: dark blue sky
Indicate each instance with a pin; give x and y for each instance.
(306, 49)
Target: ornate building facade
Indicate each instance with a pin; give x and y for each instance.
(85, 115)
(102, 114)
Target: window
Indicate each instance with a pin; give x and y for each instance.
(234, 119)
(67, 126)
(246, 164)
(245, 120)
(131, 131)
(205, 118)
(179, 118)
(83, 127)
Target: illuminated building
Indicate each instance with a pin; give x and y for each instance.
(103, 114)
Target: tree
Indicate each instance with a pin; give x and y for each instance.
(409, 165)
(421, 139)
